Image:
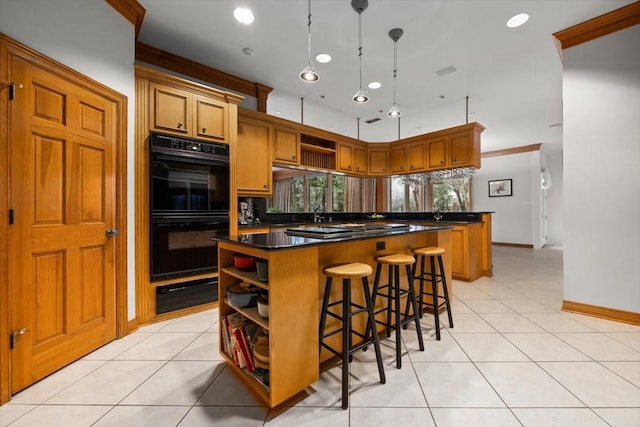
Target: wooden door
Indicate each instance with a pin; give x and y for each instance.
(416, 156)
(437, 153)
(360, 159)
(171, 110)
(62, 192)
(253, 168)
(461, 149)
(286, 145)
(211, 121)
(397, 159)
(345, 157)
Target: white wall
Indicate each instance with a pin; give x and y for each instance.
(601, 96)
(516, 218)
(555, 201)
(94, 39)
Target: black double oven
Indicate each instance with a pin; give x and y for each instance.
(189, 200)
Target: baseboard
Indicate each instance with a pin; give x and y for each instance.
(602, 312)
(513, 245)
(132, 326)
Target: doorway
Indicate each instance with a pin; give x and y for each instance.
(63, 282)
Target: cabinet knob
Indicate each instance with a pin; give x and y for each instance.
(265, 186)
(204, 130)
(411, 166)
(179, 125)
(293, 157)
(349, 167)
(401, 168)
(442, 162)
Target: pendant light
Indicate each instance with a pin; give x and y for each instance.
(360, 6)
(309, 74)
(395, 35)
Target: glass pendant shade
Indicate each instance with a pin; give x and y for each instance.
(361, 97)
(394, 111)
(309, 73)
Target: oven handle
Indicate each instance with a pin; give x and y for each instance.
(195, 158)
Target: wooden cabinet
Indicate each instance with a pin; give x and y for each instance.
(286, 145)
(466, 252)
(360, 160)
(437, 153)
(407, 157)
(345, 157)
(352, 159)
(416, 156)
(378, 161)
(397, 159)
(454, 148)
(292, 326)
(181, 112)
(253, 158)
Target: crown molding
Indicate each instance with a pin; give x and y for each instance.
(131, 10)
(616, 20)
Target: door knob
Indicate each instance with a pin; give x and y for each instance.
(15, 335)
(112, 232)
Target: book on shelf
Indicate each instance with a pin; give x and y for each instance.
(237, 326)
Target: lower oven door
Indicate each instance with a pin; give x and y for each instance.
(183, 247)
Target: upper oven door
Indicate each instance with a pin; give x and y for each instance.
(188, 184)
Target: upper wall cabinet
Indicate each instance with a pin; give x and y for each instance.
(351, 158)
(181, 112)
(454, 148)
(286, 145)
(379, 160)
(253, 159)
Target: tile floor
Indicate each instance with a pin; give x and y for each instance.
(513, 359)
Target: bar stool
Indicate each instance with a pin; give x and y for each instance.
(347, 272)
(435, 278)
(392, 291)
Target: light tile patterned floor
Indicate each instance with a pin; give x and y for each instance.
(513, 359)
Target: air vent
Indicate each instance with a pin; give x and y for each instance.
(443, 72)
(375, 119)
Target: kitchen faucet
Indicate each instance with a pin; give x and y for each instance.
(437, 216)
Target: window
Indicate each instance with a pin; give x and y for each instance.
(452, 194)
(407, 193)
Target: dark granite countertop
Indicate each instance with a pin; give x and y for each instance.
(280, 239)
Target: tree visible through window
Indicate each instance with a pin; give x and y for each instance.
(452, 194)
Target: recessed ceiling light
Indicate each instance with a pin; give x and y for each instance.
(248, 51)
(517, 20)
(323, 58)
(243, 15)
(374, 85)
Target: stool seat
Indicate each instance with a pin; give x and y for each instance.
(352, 270)
(429, 251)
(395, 259)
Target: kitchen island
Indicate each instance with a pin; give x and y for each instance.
(295, 288)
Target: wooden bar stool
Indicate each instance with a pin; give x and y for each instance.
(392, 291)
(435, 278)
(347, 272)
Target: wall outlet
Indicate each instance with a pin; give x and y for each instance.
(380, 246)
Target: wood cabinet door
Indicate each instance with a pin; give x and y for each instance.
(286, 147)
(437, 153)
(211, 119)
(397, 159)
(461, 146)
(63, 191)
(416, 156)
(171, 109)
(345, 157)
(360, 159)
(378, 161)
(253, 159)
(459, 244)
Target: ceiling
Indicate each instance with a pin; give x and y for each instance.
(512, 77)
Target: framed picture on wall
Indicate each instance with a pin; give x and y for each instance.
(500, 188)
